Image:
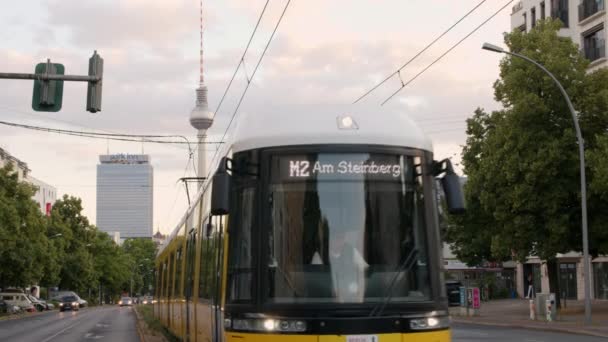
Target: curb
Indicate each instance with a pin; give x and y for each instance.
(533, 327)
(138, 325)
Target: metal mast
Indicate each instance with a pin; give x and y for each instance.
(200, 117)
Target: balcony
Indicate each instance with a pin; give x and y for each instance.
(593, 53)
(589, 7)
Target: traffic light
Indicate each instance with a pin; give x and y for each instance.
(94, 87)
(48, 95)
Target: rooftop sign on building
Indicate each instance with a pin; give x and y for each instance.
(122, 158)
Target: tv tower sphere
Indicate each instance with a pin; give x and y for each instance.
(200, 117)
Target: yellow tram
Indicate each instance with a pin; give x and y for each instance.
(320, 228)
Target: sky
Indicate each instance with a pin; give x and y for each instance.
(325, 53)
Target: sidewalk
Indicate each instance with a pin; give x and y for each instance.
(516, 313)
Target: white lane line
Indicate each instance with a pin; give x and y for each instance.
(60, 332)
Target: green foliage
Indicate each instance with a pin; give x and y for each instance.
(142, 253)
(23, 239)
(63, 250)
(522, 163)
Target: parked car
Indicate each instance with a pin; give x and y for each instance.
(38, 304)
(41, 304)
(69, 303)
(453, 292)
(18, 299)
(125, 301)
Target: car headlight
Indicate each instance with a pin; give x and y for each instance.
(75, 303)
(60, 304)
(120, 302)
(430, 323)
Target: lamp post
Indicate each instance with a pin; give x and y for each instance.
(581, 151)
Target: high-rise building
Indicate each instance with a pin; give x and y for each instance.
(583, 21)
(125, 187)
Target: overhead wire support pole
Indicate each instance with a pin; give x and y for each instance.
(419, 53)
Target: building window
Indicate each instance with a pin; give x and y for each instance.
(533, 17)
(542, 10)
(600, 277)
(588, 8)
(559, 10)
(594, 43)
(524, 26)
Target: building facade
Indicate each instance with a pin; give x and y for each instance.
(584, 22)
(18, 166)
(46, 194)
(125, 187)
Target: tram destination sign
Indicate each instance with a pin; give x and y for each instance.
(340, 167)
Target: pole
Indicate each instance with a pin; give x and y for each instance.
(48, 77)
(581, 152)
(202, 162)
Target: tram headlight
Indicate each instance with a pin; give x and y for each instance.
(429, 323)
(278, 325)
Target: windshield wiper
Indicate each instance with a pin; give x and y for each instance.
(407, 264)
(278, 268)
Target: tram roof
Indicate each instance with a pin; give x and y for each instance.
(380, 127)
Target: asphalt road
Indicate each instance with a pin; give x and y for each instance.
(472, 332)
(109, 323)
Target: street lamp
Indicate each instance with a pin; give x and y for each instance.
(581, 151)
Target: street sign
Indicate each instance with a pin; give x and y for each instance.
(48, 95)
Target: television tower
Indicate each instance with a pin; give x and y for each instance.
(200, 117)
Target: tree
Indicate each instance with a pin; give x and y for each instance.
(23, 238)
(142, 252)
(77, 268)
(523, 189)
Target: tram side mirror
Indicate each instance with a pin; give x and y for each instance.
(451, 187)
(220, 193)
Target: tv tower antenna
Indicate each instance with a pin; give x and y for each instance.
(200, 117)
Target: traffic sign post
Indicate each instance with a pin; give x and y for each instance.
(48, 94)
(48, 84)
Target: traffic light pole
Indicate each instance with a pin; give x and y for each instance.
(48, 77)
(48, 84)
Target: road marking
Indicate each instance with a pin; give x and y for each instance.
(60, 332)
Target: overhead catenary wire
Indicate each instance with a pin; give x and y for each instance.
(447, 52)
(110, 136)
(276, 27)
(398, 71)
(242, 60)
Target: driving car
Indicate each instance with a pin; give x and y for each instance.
(69, 303)
(125, 301)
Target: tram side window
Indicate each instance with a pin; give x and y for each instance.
(179, 258)
(206, 268)
(240, 270)
(171, 277)
(190, 255)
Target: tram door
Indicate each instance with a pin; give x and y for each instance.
(567, 280)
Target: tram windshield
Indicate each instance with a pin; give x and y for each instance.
(346, 228)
